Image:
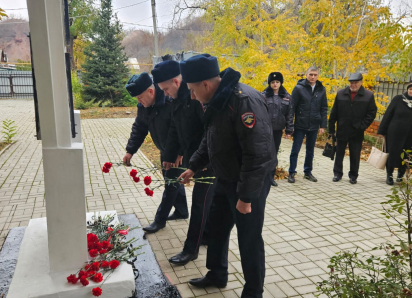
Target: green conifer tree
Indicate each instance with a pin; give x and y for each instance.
(104, 68)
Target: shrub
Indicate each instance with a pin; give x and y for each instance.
(354, 275)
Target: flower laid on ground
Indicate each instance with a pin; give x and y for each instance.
(72, 279)
(108, 247)
(97, 292)
(147, 180)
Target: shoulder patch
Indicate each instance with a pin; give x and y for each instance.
(248, 119)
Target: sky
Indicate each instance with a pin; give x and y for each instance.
(138, 12)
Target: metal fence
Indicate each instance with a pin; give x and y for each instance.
(390, 87)
(16, 84)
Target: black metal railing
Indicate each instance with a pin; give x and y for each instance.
(16, 84)
(387, 88)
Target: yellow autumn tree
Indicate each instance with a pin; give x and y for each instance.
(2, 13)
(339, 36)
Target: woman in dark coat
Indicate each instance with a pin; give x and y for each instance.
(280, 110)
(396, 125)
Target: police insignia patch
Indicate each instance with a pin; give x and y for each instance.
(248, 119)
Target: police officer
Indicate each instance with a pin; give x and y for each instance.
(280, 111)
(185, 135)
(154, 116)
(238, 144)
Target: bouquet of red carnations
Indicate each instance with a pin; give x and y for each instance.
(108, 248)
(147, 180)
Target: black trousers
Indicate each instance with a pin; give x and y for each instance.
(174, 195)
(202, 198)
(355, 148)
(401, 170)
(223, 216)
(277, 138)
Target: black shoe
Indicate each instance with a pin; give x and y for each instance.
(173, 216)
(273, 182)
(399, 179)
(183, 258)
(291, 178)
(154, 227)
(353, 181)
(337, 178)
(310, 177)
(204, 282)
(389, 180)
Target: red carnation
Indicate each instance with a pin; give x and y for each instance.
(105, 244)
(98, 245)
(87, 267)
(98, 277)
(133, 173)
(97, 292)
(92, 238)
(91, 273)
(123, 232)
(82, 273)
(114, 264)
(72, 278)
(147, 180)
(136, 179)
(108, 165)
(110, 247)
(148, 192)
(90, 245)
(93, 253)
(95, 266)
(102, 251)
(105, 170)
(105, 264)
(84, 281)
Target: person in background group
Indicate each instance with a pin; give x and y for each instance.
(396, 126)
(154, 116)
(185, 135)
(354, 110)
(238, 145)
(280, 111)
(311, 110)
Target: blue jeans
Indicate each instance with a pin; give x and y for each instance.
(298, 135)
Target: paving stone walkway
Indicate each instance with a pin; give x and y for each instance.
(305, 222)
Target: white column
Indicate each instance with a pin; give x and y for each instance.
(62, 159)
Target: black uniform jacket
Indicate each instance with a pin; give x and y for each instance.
(311, 108)
(280, 109)
(353, 117)
(187, 126)
(238, 141)
(155, 119)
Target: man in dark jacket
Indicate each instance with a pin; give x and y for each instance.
(154, 116)
(185, 135)
(238, 145)
(354, 110)
(311, 109)
(280, 111)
